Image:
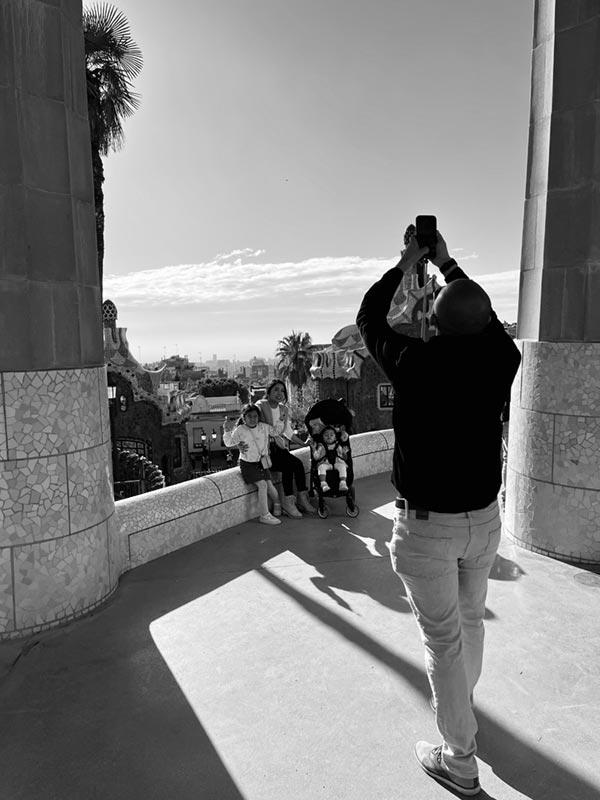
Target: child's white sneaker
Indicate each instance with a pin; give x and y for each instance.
(269, 519)
(343, 486)
(324, 486)
(276, 509)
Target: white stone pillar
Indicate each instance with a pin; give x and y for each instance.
(553, 491)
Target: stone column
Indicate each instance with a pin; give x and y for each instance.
(55, 490)
(553, 497)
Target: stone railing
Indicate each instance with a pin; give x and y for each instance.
(156, 523)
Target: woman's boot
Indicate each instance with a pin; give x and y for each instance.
(303, 503)
(288, 506)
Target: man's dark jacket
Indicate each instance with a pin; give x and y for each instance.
(449, 394)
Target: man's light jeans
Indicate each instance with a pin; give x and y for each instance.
(445, 562)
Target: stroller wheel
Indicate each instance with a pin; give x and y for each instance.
(323, 512)
(352, 512)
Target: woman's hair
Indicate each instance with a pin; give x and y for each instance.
(273, 383)
(245, 410)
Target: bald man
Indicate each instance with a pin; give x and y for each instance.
(449, 393)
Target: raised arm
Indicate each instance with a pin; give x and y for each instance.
(382, 342)
(231, 434)
(443, 261)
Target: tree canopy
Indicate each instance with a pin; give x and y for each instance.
(112, 61)
(294, 358)
(222, 387)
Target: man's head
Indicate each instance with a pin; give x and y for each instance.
(462, 308)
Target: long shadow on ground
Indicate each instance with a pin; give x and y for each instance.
(513, 760)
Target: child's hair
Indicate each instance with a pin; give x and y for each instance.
(273, 383)
(245, 410)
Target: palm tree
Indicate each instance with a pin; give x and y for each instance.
(112, 61)
(294, 360)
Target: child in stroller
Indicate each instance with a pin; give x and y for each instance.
(331, 449)
(329, 424)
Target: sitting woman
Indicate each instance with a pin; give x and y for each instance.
(275, 413)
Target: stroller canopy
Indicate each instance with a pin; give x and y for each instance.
(330, 412)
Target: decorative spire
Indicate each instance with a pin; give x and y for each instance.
(109, 314)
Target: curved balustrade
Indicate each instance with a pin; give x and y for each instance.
(150, 525)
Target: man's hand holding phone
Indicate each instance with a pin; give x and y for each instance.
(441, 251)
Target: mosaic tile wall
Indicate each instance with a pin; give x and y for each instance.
(56, 506)
(553, 481)
(151, 525)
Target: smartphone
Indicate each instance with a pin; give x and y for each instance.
(427, 233)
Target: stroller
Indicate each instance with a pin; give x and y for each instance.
(327, 414)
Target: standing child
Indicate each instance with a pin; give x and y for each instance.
(254, 461)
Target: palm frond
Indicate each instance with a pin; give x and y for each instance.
(106, 30)
(112, 61)
(293, 358)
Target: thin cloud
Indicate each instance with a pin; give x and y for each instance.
(227, 280)
(246, 252)
(226, 283)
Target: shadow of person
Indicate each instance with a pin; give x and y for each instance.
(526, 769)
(348, 562)
(517, 763)
(321, 584)
(504, 569)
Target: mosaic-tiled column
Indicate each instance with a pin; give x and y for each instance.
(56, 501)
(553, 493)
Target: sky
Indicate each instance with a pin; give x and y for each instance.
(282, 147)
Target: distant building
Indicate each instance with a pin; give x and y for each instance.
(177, 363)
(345, 369)
(218, 367)
(147, 413)
(204, 429)
(259, 370)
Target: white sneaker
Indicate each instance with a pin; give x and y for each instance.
(269, 519)
(276, 509)
(343, 486)
(324, 486)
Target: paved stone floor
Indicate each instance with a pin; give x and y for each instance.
(284, 664)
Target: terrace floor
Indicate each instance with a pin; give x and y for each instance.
(284, 663)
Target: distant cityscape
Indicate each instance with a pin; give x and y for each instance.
(216, 367)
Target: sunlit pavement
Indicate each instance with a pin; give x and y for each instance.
(284, 664)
